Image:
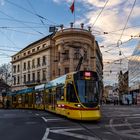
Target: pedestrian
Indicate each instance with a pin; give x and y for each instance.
(128, 101)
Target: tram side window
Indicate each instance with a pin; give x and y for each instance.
(31, 99)
(60, 93)
(26, 98)
(71, 95)
(49, 96)
(13, 98)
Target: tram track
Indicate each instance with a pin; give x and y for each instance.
(91, 132)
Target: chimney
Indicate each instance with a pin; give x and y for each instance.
(71, 24)
(82, 25)
(89, 28)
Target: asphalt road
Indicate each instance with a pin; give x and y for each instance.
(118, 123)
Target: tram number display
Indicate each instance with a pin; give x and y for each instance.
(87, 75)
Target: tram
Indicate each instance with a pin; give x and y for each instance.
(74, 95)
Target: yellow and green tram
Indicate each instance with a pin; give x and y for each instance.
(74, 95)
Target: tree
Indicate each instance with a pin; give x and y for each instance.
(6, 73)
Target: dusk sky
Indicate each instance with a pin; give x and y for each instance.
(25, 21)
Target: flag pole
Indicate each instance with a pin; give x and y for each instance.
(72, 8)
(74, 13)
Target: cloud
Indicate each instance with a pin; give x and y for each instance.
(101, 3)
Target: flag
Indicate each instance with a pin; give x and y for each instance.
(72, 7)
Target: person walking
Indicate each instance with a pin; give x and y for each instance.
(127, 101)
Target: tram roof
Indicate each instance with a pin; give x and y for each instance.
(23, 91)
(56, 82)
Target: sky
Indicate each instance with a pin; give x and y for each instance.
(115, 25)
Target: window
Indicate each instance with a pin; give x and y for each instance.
(14, 80)
(60, 93)
(38, 76)
(28, 52)
(24, 78)
(14, 98)
(44, 60)
(33, 63)
(77, 54)
(38, 47)
(33, 50)
(85, 55)
(24, 66)
(29, 77)
(26, 98)
(44, 45)
(14, 69)
(71, 95)
(66, 70)
(24, 54)
(38, 62)
(29, 65)
(18, 80)
(66, 55)
(88, 92)
(44, 75)
(18, 69)
(33, 77)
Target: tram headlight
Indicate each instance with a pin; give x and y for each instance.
(78, 105)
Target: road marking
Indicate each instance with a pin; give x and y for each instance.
(126, 133)
(80, 136)
(45, 137)
(123, 115)
(44, 119)
(56, 119)
(123, 124)
(37, 114)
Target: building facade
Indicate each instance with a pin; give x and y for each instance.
(56, 55)
(134, 67)
(123, 83)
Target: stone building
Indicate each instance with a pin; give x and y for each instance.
(123, 82)
(56, 55)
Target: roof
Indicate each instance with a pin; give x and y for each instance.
(46, 37)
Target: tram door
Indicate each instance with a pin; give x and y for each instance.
(53, 99)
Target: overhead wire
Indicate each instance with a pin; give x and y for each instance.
(100, 13)
(42, 17)
(8, 50)
(9, 39)
(21, 22)
(125, 27)
(5, 28)
(29, 22)
(41, 20)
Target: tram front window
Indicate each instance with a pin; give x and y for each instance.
(88, 92)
